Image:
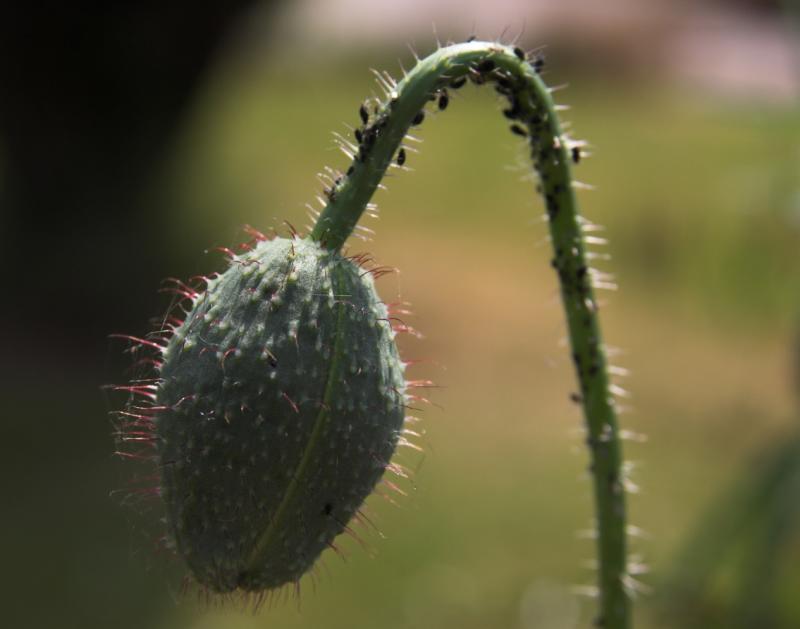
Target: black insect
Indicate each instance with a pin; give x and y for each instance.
(401, 157)
(552, 205)
(576, 154)
(458, 83)
(517, 130)
(512, 112)
(504, 83)
(418, 118)
(538, 64)
(520, 53)
(370, 134)
(362, 111)
(471, 38)
(487, 65)
(444, 99)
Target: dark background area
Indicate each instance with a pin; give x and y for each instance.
(92, 95)
(92, 98)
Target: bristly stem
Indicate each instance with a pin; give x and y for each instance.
(533, 115)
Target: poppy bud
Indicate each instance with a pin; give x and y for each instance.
(279, 405)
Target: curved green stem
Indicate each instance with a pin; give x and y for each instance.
(534, 115)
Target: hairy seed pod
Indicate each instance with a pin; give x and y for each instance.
(281, 399)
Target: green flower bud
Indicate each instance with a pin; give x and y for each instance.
(280, 403)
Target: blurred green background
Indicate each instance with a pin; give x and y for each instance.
(695, 139)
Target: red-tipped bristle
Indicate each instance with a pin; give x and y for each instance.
(422, 384)
(226, 251)
(137, 341)
(254, 233)
(181, 285)
(292, 403)
(295, 233)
